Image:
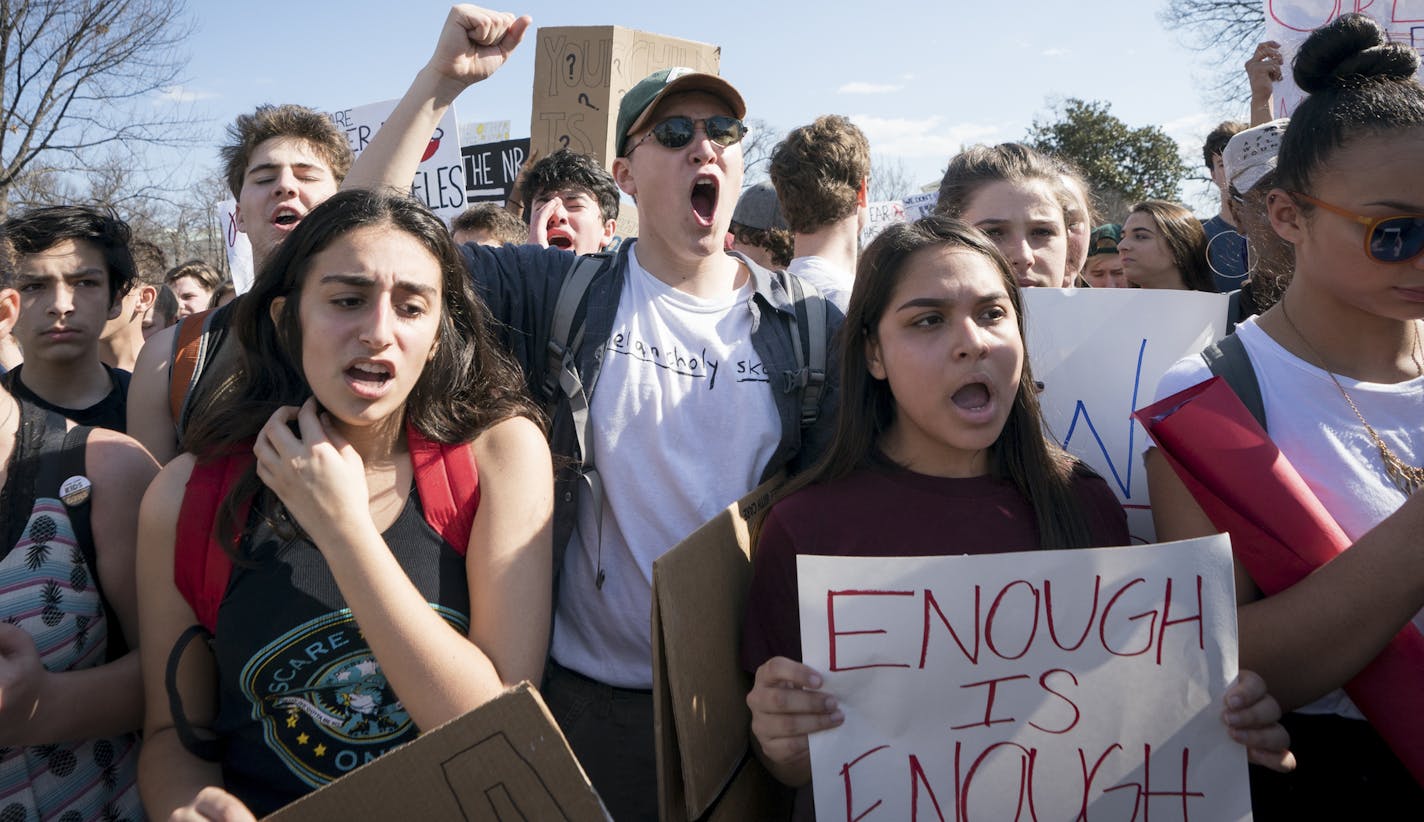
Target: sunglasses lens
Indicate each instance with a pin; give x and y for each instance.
(1397, 239)
(724, 131)
(674, 132)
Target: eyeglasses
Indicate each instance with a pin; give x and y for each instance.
(1394, 239)
(676, 132)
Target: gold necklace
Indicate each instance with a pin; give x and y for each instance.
(1409, 479)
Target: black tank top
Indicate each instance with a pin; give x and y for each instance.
(302, 700)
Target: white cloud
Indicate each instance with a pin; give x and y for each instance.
(1191, 128)
(1054, 52)
(868, 88)
(179, 94)
(924, 137)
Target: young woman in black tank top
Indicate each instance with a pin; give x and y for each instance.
(347, 626)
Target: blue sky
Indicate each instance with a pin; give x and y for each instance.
(919, 78)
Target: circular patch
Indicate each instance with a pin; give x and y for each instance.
(75, 491)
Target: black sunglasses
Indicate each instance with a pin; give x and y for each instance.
(676, 132)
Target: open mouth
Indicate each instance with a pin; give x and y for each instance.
(370, 374)
(972, 397)
(561, 239)
(286, 218)
(704, 200)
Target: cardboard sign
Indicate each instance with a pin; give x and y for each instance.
(1289, 22)
(1031, 685)
(503, 761)
(239, 250)
(440, 180)
(491, 169)
(706, 771)
(1099, 353)
(581, 74)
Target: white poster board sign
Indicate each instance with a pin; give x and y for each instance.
(1050, 685)
(880, 216)
(1100, 353)
(440, 180)
(239, 250)
(920, 205)
(492, 131)
(1289, 22)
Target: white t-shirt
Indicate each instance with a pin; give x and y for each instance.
(682, 424)
(1316, 430)
(834, 283)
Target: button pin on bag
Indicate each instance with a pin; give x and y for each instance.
(75, 491)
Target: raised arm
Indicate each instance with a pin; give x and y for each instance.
(1316, 635)
(1263, 71)
(473, 44)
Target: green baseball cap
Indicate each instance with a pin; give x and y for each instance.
(642, 98)
(1104, 239)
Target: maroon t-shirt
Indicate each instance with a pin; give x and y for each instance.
(891, 512)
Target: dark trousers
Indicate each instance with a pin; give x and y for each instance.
(1344, 770)
(611, 732)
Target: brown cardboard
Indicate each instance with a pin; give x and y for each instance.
(504, 761)
(581, 74)
(706, 770)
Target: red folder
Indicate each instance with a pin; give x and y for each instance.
(1280, 532)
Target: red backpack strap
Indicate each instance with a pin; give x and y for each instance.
(449, 486)
(187, 343)
(201, 568)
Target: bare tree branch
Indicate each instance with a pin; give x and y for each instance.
(87, 75)
(1225, 32)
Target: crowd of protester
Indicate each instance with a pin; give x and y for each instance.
(274, 493)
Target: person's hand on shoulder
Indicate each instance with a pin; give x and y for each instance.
(316, 473)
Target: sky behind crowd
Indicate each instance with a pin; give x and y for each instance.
(920, 78)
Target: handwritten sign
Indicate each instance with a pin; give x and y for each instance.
(239, 250)
(1050, 685)
(440, 180)
(491, 169)
(581, 74)
(1099, 353)
(1289, 22)
(881, 216)
(920, 205)
(493, 131)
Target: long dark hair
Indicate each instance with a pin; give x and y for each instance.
(1040, 470)
(468, 384)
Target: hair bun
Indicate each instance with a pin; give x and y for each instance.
(1351, 50)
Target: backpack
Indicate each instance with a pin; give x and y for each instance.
(446, 479)
(561, 377)
(1228, 359)
(195, 342)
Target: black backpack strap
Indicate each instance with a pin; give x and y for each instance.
(810, 374)
(62, 476)
(1228, 359)
(561, 376)
(210, 750)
